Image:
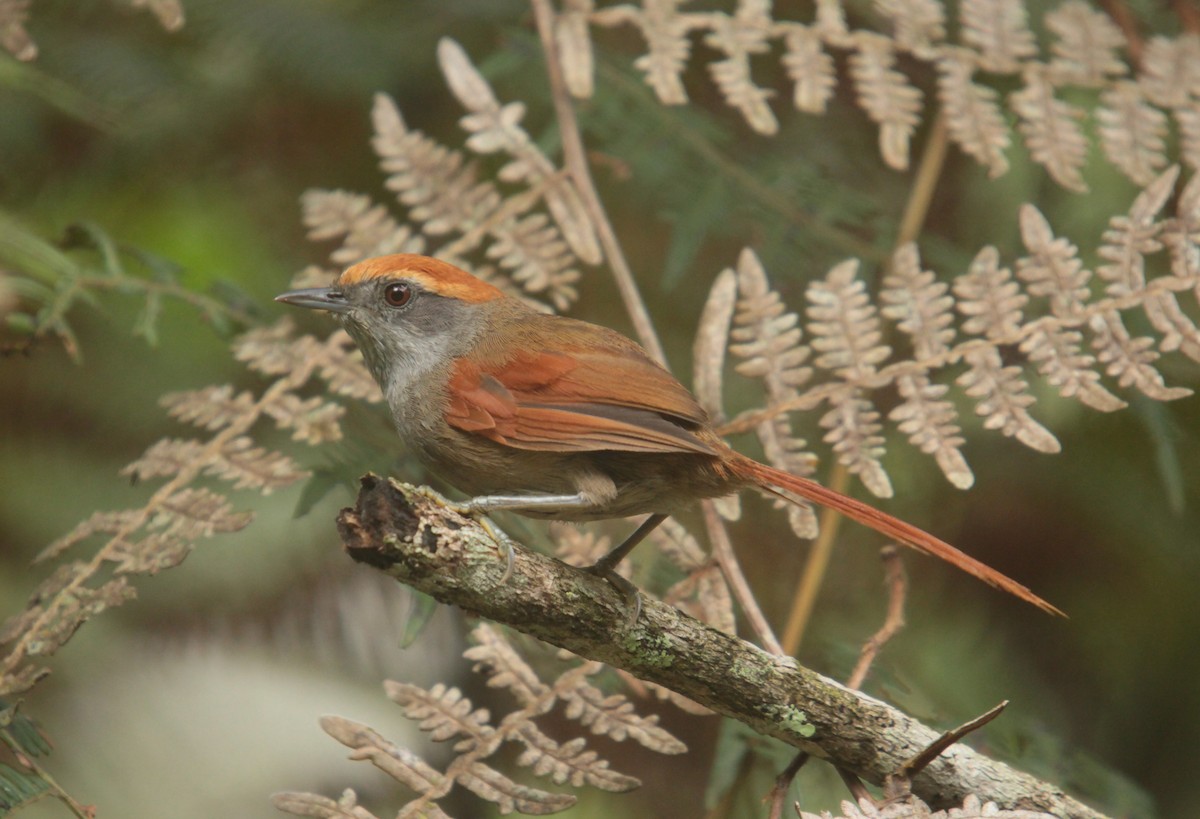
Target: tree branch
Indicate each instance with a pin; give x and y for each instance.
(422, 543)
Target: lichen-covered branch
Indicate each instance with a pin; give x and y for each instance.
(417, 540)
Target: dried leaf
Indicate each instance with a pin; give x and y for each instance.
(507, 668)
(341, 366)
(98, 523)
(911, 808)
(322, 807)
(167, 458)
(1130, 359)
(494, 127)
(844, 326)
(488, 783)
(1057, 354)
(886, 95)
(613, 715)
(1000, 31)
(402, 765)
(1171, 70)
(368, 228)
(667, 43)
(253, 467)
(708, 350)
(810, 67)
(919, 24)
(13, 37)
(1085, 46)
(312, 420)
(1132, 132)
(445, 713)
(1003, 399)
(274, 351)
(931, 423)
(209, 408)
(574, 46)
(989, 298)
(918, 303)
(1053, 268)
(973, 116)
(739, 37)
(569, 762)
(854, 434)
(1051, 129)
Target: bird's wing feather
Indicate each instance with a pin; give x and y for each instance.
(578, 401)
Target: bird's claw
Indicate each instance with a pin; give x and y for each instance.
(479, 515)
(633, 597)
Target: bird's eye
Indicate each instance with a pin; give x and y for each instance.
(397, 294)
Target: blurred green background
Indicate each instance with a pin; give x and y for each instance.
(201, 698)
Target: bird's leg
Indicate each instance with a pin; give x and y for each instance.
(606, 566)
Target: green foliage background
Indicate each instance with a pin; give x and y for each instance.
(195, 147)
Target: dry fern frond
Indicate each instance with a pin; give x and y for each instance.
(919, 25)
(739, 37)
(1004, 399)
(810, 68)
(854, 435)
(575, 46)
(1051, 128)
(322, 807)
(1132, 132)
(1171, 70)
(767, 336)
(973, 116)
(497, 128)
(989, 297)
(887, 96)
(13, 37)
(368, 228)
(708, 349)
(444, 194)
(667, 43)
(1085, 46)
(999, 30)
(1053, 268)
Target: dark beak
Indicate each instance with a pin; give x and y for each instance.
(317, 298)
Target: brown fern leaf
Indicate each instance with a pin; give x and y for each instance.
(854, 434)
(368, 228)
(1052, 268)
(710, 344)
(931, 423)
(209, 408)
(341, 365)
(1004, 399)
(1188, 121)
(809, 67)
(254, 467)
(911, 806)
(973, 116)
(767, 336)
(704, 592)
(1059, 358)
(739, 37)
(574, 46)
(1051, 128)
(571, 762)
(13, 37)
(919, 25)
(97, 523)
(989, 298)
(312, 420)
(612, 715)
(886, 95)
(918, 303)
(668, 47)
(445, 713)
(399, 763)
(999, 30)
(322, 807)
(844, 326)
(1130, 359)
(1085, 46)
(167, 458)
(1132, 132)
(497, 128)
(274, 351)
(488, 783)
(508, 670)
(1171, 70)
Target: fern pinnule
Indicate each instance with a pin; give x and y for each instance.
(918, 25)
(931, 423)
(444, 713)
(989, 298)
(974, 119)
(739, 37)
(999, 30)
(366, 228)
(1051, 128)
(574, 46)
(1132, 132)
(1170, 70)
(667, 45)
(1004, 399)
(918, 303)
(711, 343)
(495, 127)
(887, 96)
(1085, 45)
(809, 66)
(855, 436)
(1058, 355)
(1053, 268)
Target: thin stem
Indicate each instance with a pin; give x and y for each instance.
(575, 161)
(723, 552)
(892, 622)
(815, 568)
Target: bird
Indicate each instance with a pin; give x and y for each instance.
(553, 417)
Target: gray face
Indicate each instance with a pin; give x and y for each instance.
(403, 330)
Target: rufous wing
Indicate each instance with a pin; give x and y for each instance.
(580, 401)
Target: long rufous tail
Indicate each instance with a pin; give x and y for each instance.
(768, 477)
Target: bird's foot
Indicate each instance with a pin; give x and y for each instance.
(470, 509)
(633, 598)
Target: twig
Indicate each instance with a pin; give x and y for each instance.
(723, 553)
(892, 623)
(918, 763)
(783, 782)
(1125, 21)
(403, 532)
(575, 160)
(815, 567)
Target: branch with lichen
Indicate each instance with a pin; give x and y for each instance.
(422, 543)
